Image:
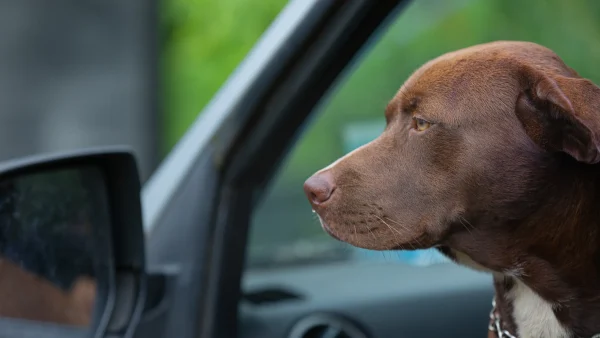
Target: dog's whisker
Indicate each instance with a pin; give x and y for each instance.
(465, 226)
(406, 229)
(383, 254)
(394, 230)
(395, 222)
(372, 234)
(471, 225)
(389, 226)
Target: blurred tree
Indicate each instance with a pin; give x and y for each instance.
(203, 41)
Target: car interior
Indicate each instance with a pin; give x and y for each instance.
(231, 246)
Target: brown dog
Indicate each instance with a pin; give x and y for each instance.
(488, 155)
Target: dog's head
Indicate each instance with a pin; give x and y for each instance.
(473, 140)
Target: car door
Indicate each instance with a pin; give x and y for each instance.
(197, 205)
(232, 246)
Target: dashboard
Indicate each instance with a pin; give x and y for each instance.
(364, 300)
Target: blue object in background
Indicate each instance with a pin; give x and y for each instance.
(355, 135)
(413, 257)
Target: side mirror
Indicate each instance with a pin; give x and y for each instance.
(71, 246)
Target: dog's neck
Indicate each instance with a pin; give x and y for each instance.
(523, 313)
(547, 265)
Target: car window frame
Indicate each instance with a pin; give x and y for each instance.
(198, 203)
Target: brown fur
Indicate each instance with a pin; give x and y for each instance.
(506, 174)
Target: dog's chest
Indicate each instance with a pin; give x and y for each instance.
(534, 317)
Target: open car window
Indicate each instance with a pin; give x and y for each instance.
(284, 232)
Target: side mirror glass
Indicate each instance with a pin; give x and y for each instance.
(71, 246)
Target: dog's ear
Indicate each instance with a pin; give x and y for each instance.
(561, 113)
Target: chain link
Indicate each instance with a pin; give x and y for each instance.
(496, 326)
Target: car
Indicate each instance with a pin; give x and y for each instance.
(230, 247)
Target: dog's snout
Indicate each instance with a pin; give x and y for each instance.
(319, 187)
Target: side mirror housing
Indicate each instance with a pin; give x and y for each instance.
(71, 245)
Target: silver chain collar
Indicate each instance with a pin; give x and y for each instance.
(495, 325)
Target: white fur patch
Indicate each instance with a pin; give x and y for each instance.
(517, 271)
(533, 315)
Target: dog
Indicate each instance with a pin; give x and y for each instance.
(489, 155)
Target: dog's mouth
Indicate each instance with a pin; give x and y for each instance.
(373, 231)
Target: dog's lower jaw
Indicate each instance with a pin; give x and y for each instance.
(465, 260)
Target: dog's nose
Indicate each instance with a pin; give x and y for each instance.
(319, 187)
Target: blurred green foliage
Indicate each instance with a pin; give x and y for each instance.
(202, 43)
(207, 39)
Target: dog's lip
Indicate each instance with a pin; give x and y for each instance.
(330, 232)
(326, 227)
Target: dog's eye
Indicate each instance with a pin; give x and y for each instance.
(420, 124)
